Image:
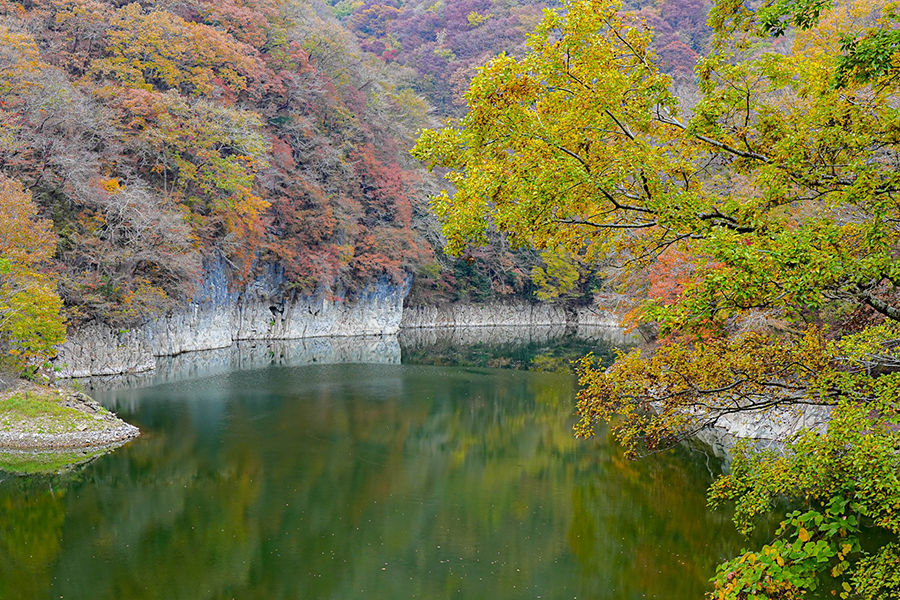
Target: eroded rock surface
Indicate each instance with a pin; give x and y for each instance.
(217, 317)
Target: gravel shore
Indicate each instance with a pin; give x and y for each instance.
(115, 436)
(98, 428)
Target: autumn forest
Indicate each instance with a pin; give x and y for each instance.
(724, 172)
(140, 140)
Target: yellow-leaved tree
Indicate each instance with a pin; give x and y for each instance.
(30, 321)
(779, 193)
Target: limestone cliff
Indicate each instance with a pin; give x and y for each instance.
(266, 309)
(499, 314)
(217, 317)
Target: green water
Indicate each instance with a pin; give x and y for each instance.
(362, 481)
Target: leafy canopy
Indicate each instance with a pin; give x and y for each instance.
(774, 184)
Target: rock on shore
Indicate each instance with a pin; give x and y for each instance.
(46, 419)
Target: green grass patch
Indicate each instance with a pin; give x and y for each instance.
(37, 410)
(32, 404)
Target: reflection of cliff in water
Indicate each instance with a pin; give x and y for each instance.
(246, 355)
(549, 348)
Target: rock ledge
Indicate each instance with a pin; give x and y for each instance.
(38, 418)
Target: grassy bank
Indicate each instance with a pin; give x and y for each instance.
(45, 429)
(36, 409)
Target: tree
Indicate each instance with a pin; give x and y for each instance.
(30, 321)
(780, 192)
(159, 50)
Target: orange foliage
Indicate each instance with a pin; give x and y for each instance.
(669, 275)
(249, 22)
(181, 132)
(204, 154)
(30, 321)
(24, 241)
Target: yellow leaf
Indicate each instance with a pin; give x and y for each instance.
(803, 535)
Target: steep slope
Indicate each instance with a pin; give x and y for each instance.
(160, 136)
(447, 41)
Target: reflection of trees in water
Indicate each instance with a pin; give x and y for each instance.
(522, 348)
(162, 518)
(31, 518)
(667, 545)
(312, 486)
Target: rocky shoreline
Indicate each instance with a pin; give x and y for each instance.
(94, 440)
(71, 421)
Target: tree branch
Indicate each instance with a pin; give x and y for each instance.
(606, 225)
(891, 312)
(721, 145)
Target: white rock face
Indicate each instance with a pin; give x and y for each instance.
(217, 317)
(768, 429)
(423, 337)
(505, 315)
(482, 315)
(595, 316)
(99, 350)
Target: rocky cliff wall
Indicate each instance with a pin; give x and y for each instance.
(505, 315)
(425, 337)
(768, 429)
(217, 317)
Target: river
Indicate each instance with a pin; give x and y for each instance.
(447, 471)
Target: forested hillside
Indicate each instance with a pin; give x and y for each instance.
(152, 137)
(446, 41)
(156, 136)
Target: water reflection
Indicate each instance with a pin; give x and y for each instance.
(526, 348)
(247, 355)
(363, 481)
(543, 348)
(31, 520)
